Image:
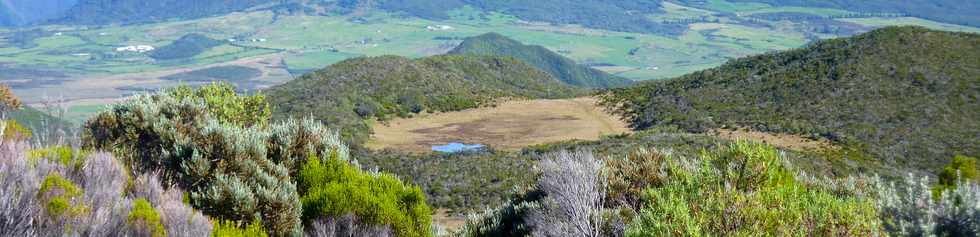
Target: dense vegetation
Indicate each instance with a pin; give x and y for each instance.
(238, 166)
(347, 94)
(905, 95)
(558, 66)
(187, 46)
(733, 189)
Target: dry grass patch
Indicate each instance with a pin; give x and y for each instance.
(511, 125)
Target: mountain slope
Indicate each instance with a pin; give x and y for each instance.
(95, 12)
(905, 95)
(21, 12)
(558, 66)
(346, 94)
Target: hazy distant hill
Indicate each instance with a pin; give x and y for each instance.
(906, 95)
(346, 94)
(96, 12)
(21, 12)
(558, 66)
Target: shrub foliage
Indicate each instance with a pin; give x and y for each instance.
(220, 147)
(743, 190)
(43, 197)
(332, 188)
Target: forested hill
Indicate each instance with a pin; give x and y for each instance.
(346, 94)
(906, 95)
(558, 66)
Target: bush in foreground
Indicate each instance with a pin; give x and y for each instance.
(220, 147)
(912, 207)
(742, 189)
(43, 197)
(335, 190)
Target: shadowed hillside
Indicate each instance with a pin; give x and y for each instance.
(905, 95)
(128, 11)
(346, 94)
(560, 67)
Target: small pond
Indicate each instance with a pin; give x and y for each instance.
(455, 147)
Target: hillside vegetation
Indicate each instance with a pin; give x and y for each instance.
(906, 95)
(558, 66)
(347, 94)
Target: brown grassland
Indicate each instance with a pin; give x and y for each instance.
(511, 125)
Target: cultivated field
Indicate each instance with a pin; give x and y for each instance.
(510, 125)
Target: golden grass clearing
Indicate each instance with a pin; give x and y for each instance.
(511, 125)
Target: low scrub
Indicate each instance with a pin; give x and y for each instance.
(43, 197)
(741, 189)
(333, 189)
(220, 147)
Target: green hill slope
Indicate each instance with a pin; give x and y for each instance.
(905, 95)
(558, 66)
(346, 94)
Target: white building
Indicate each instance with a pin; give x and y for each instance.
(136, 48)
(439, 28)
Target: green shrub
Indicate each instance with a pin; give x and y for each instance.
(226, 228)
(334, 188)
(15, 131)
(219, 147)
(744, 190)
(146, 218)
(961, 168)
(63, 155)
(227, 106)
(61, 197)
